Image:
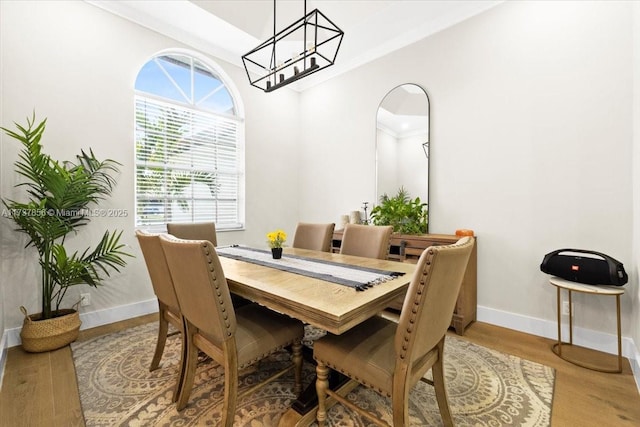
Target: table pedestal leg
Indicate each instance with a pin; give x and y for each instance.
(295, 418)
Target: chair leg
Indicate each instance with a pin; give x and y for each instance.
(189, 370)
(441, 391)
(230, 388)
(163, 328)
(183, 358)
(296, 356)
(322, 384)
(400, 399)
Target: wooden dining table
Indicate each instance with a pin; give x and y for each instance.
(333, 307)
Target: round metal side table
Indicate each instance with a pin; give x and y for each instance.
(586, 289)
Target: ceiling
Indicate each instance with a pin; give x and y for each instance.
(230, 28)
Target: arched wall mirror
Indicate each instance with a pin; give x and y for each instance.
(402, 143)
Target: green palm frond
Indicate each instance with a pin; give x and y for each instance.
(108, 254)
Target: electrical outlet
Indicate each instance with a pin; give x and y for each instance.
(85, 300)
(565, 308)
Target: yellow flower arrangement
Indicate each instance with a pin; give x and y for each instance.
(276, 238)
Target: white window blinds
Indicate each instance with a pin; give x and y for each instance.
(187, 165)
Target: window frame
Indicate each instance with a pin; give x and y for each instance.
(192, 106)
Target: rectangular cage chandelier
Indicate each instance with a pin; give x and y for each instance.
(308, 45)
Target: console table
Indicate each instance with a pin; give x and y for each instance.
(409, 247)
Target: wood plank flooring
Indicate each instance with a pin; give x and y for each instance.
(41, 389)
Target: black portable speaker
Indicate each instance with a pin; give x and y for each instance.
(582, 266)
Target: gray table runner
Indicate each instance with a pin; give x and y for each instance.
(353, 276)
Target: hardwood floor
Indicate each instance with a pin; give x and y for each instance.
(41, 390)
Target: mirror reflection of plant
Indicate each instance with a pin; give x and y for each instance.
(162, 139)
(59, 197)
(406, 215)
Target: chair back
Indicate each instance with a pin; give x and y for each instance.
(430, 300)
(201, 287)
(316, 237)
(157, 267)
(194, 231)
(370, 241)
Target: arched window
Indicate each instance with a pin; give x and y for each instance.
(189, 140)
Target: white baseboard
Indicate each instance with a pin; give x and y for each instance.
(116, 314)
(99, 318)
(3, 356)
(635, 367)
(596, 340)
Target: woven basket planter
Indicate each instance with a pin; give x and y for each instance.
(49, 334)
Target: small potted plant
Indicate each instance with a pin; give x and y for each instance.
(276, 239)
(58, 197)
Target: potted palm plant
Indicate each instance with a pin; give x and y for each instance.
(59, 196)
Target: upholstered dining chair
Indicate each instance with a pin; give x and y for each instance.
(168, 309)
(200, 231)
(194, 231)
(391, 358)
(312, 236)
(370, 241)
(235, 338)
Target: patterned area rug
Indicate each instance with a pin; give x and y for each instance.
(486, 388)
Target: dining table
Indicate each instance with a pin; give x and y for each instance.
(317, 300)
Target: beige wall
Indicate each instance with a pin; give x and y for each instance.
(531, 140)
(634, 286)
(76, 65)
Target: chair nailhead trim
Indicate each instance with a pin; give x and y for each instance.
(416, 304)
(262, 356)
(355, 377)
(213, 272)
